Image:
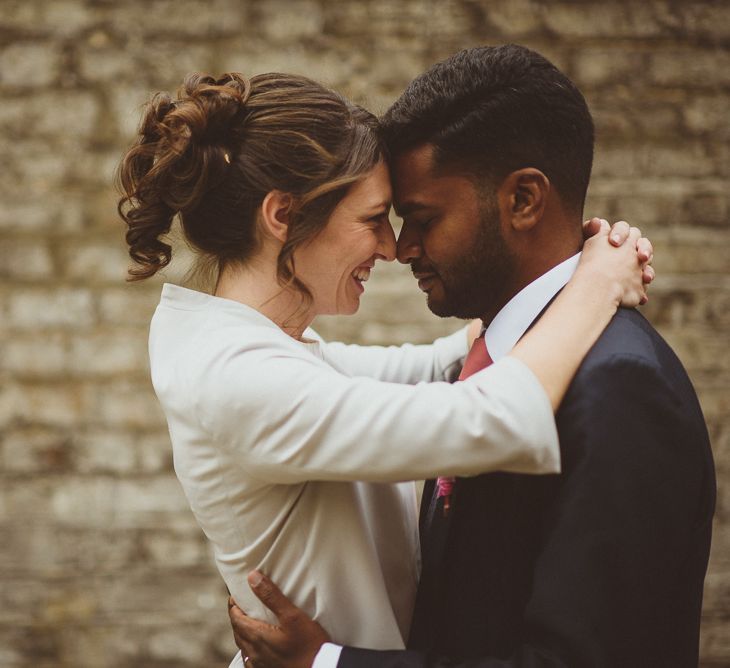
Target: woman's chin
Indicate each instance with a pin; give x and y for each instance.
(349, 306)
(351, 309)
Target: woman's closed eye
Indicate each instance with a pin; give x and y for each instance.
(380, 219)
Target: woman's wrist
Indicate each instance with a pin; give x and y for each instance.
(599, 282)
(595, 291)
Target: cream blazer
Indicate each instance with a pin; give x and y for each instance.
(292, 455)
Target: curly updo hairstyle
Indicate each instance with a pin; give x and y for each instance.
(213, 154)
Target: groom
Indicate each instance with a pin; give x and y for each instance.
(603, 565)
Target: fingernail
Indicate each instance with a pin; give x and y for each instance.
(616, 238)
(254, 578)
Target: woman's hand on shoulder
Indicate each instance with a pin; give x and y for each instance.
(621, 256)
(473, 330)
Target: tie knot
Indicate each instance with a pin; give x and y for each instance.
(477, 359)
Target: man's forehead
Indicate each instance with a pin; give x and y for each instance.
(418, 160)
(412, 173)
(419, 184)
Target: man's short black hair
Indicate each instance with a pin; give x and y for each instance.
(492, 110)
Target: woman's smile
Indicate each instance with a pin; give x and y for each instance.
(338, 262)
(360, 276)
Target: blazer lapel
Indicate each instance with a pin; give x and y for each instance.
(434, 529)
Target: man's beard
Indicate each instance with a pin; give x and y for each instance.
(474, 283)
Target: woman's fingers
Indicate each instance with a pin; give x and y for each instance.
(648, 274)
(646, 250)
(620, 231)
(472, 331)
(634, 235)
(593, 226)
(619, 234)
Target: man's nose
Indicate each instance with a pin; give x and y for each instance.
(409, 244)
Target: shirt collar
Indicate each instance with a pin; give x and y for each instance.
(513, 320)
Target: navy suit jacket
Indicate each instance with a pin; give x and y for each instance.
(600, 566)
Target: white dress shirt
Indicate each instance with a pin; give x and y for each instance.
(516, 316)
(270, 435)
(501, 335)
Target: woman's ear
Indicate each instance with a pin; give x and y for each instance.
(275, 211)
(523, 197)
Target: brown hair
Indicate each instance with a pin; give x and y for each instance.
(213, 154)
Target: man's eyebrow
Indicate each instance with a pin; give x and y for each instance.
(407, 208)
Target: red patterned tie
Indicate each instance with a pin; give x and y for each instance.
(477, 359)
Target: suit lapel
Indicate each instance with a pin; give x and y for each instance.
(434, 527)
(424, 519)
(434, 530)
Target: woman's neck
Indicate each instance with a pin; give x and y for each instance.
(256, 285)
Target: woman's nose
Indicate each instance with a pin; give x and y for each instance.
(386, 243)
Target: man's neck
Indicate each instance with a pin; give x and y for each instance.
(518, 315)
(527, 270)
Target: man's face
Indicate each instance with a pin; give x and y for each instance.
(451, 237)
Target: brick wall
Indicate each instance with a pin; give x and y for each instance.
(100, 560)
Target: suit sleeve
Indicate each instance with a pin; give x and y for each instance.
(616, 540)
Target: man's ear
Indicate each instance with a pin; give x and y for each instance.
(522, 198)
(275, 211)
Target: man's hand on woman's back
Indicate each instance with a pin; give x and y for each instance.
(293, 643)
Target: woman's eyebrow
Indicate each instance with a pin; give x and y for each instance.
(379, 209)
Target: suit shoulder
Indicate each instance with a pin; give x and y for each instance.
(632, 401)
(632, 367)
(628, 333)
(630, 338)
(631, 357)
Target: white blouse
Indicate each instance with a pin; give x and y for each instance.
(270, 435)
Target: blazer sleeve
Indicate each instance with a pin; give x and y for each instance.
(293, 419)
(407, 363)
(634, 504)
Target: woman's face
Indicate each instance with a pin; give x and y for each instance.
(336, 264)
